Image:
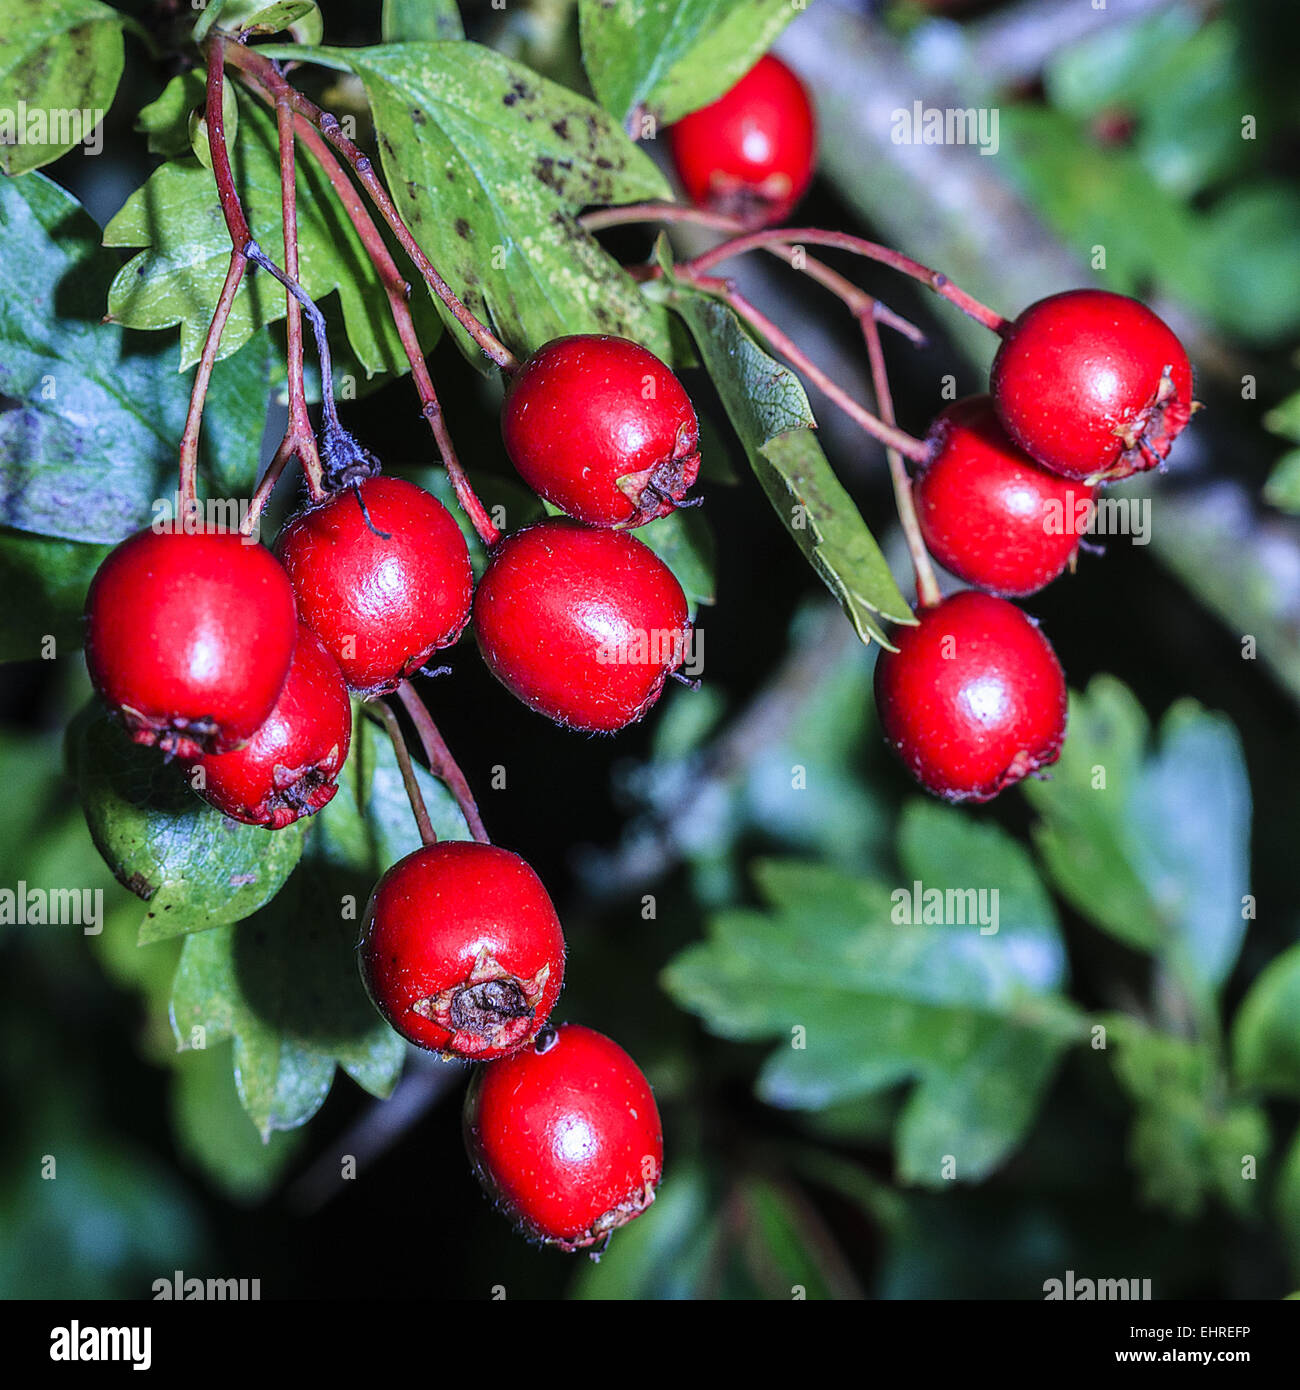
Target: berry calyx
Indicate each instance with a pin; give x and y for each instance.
(974, 698)
(381, 574)
(287, 769)
(461, 950)
(189, 636)
(750, 153)
(583, 625)
(1092, 384)
(600, 427)
(988, 512)
(566, 1136)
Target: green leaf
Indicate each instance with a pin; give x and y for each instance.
(166, 120)
(1283, 487)
(1284, 418)
(44, 582)
(302, 18)
(1266, 1031)
(683, 540)
(60, 61)
(786, 1248)
(1186, 1142)
(89, 435)
(195, 868)
(212, 1133)
(410, 21)
(489, 166)
(1150, 846)
(1286, 1205)
(665, 58)
(770, 413)
(868, 997)
(284, 983)
(178, 277)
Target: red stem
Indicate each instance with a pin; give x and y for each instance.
(927, 586)
(398, 292)
(441, 763)
(189, 454)
(264, 70)
(786, 236)
(413, 793)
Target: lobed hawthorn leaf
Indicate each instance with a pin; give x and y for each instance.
(91, 417)
(490, 165)
(1152, 845)
(665, 58)
(975, 1019)
(283, 983)
(193, 867)
(61, 59)
(770, 413)
(177, 278)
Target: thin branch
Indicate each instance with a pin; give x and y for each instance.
(265, 71)
(927, 586)
(398, 293)
(784, 346)
(189, 454)
(441, 763)
(855, 299)
(772, 237)
(413, 793)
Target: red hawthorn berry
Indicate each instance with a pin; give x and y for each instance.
(461, 950)
(565, 1135)
(600, 427)
(750, 153)
(583, 625)
(988, 512)
(189, 637)
(287, 769)
(973, 699)
(1092, 384)
(384, 587)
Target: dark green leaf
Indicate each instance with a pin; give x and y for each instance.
(91, 427)
(60, 61)
(44, 582)
(490, 165)
(664, 58)
(770, 412)
(284, 983)
(212, 1133)
(683, 540)
(194, 868)
(1266, 1032)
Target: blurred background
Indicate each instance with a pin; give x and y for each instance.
(1166, 134)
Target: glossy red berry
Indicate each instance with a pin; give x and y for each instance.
(287, 769)
(1092, 384)
(988, 512)
(600, 427)
(750, 153)
(973, 699)
(189, 637)
(583, 625)
(461, 950)
(384, 587)
(566, 1136)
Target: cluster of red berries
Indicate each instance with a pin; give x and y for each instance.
(1087, 387)
(239, 661)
